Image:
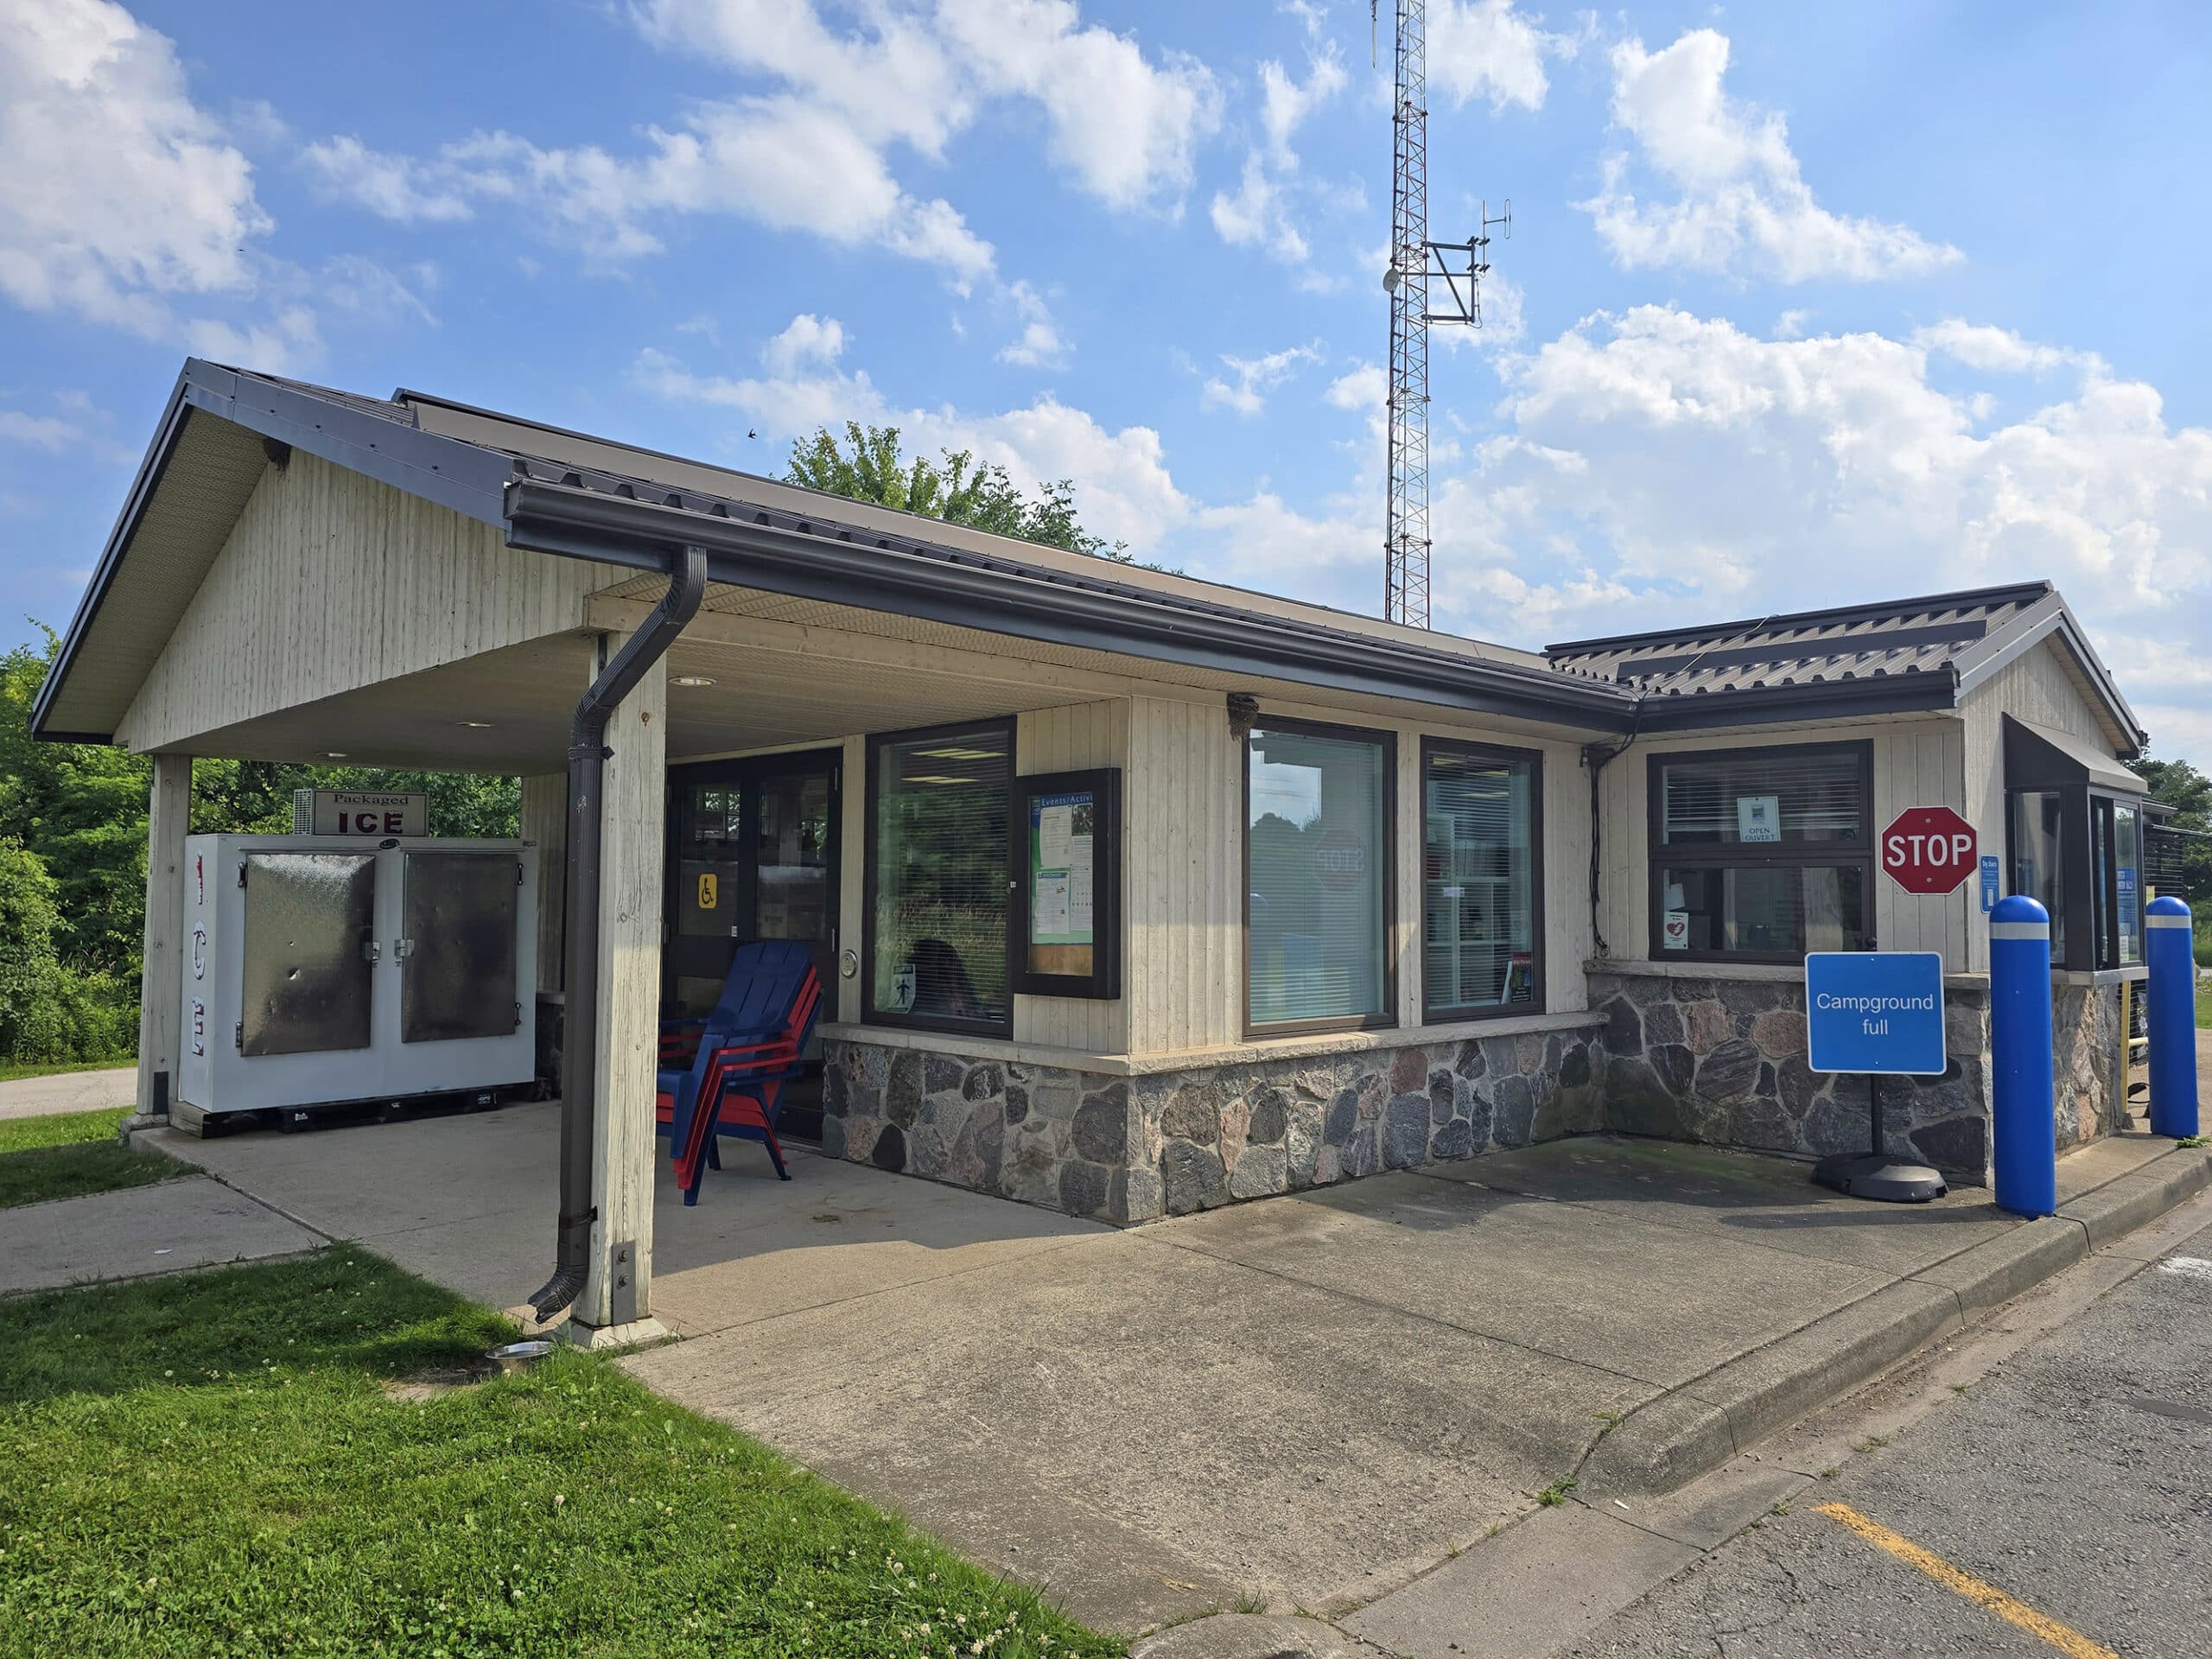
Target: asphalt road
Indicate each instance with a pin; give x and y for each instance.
(2075, 1479)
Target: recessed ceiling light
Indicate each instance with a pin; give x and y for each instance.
(691, 680)
(476, 725)
(334, 754)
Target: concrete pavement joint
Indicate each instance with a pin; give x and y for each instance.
(1394, 1310)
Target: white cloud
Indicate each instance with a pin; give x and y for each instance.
(811, 152)
(1039, 345)
(1485, 48)
(1257, 215)
(1678, 468)
(1124, 491)
(1740, 203)
(118, 193)
(807, 340)
(1254, 378)
(391, 187)
(48, 432)
(1285, 102)
(1997, 350)
(1367, 386)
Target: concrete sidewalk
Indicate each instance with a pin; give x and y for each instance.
(69, 1091)
(169, 1227)
(1312, 1399)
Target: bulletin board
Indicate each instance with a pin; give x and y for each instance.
(1067, 862)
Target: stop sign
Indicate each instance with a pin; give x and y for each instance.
(1929, 849)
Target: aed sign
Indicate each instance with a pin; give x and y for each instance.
(365, 812)
(1875, 1011)
(1929, 850)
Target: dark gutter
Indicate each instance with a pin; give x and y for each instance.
(587, 758)
(749, 547)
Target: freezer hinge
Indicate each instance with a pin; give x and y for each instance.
(402, 948)
(237, 1036)
(242, 870)
(370, 951)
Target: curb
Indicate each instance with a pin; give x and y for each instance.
(1251, 1636)
(1696, 1428)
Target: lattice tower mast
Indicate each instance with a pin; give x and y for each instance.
(1405, 536)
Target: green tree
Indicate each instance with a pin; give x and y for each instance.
(869, 467)
(2181, 785)
(81, 809)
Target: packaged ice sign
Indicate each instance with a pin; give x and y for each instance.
(1929, 850)
(373, 813)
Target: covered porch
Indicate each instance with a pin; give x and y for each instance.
(303, 576)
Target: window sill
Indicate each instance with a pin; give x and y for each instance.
(1189, 1059)
(1774, 972)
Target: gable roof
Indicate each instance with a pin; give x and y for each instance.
(569, 493)
(1929, 651)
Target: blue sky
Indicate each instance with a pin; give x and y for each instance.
(1803, 305)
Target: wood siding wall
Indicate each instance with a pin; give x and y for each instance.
(1182, 875)
(1916, 763)
(331, 580)
(1064, 740)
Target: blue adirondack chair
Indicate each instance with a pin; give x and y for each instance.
(730, 1066)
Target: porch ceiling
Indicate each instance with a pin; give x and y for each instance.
(525, 696)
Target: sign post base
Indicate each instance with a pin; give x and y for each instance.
(1877, 1175)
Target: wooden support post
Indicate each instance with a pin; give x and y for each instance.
(161, 982)
(615, 1308)
(545, 821)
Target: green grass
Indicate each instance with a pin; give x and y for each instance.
(66, 1154)
(2204, 1003)
(8, 1073)
(210, 1466)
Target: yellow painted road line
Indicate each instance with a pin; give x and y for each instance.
(2066, 1640)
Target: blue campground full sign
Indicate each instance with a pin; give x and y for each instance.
(1874, 1011)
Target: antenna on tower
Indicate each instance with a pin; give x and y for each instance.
(1461, 266)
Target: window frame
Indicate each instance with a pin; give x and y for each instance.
(1454, 1014)
(870, 865)
(1731, 854)
(2091, 904)
(1387, 1019)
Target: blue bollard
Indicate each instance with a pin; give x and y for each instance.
(2024, 1135)
(2166, 941)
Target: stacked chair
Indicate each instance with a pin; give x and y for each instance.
(725, 1074)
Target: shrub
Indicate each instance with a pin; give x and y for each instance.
(50, 1012)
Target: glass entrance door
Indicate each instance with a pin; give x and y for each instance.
(754, 856)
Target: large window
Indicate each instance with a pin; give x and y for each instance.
(1481, 904)
(1317, 860)
(1762, 853)
(2039, 853)
(2075, 832)
(937, 878)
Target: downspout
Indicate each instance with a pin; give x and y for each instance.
(587, 755)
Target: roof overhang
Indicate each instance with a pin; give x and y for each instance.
(782, 552)
(2048, 617)
(2042, 756)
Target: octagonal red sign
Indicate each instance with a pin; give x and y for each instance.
(1929, 849)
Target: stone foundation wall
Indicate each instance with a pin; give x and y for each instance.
(1132, 1149)
(2085, 1071)
(1722, 1061)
